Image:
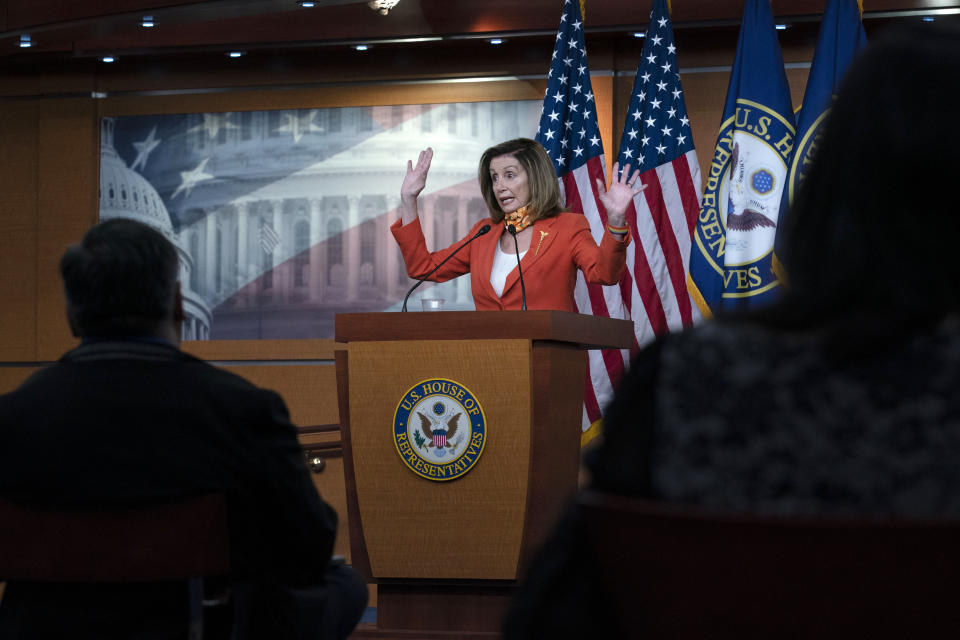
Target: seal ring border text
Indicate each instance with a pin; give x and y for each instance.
(482, 429)
(728, 128)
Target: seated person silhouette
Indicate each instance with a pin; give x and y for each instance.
(840, 399)
(126, 418)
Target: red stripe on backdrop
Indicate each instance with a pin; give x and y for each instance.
(643, 277)
(590, 400)
(688, 191)
(574, 203)
(668, 243)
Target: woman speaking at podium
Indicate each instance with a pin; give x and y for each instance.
(526, 219)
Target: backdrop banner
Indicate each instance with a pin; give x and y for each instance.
(281, 217)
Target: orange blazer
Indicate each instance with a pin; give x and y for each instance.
(560, 245)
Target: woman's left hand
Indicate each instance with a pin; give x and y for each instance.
(618, 197)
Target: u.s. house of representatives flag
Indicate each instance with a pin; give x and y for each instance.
(841, 37)
(570, 134)
(731, 262)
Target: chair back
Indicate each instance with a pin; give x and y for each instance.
(171, 541)
(681, 572)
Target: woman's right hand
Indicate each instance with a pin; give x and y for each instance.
(416, 178)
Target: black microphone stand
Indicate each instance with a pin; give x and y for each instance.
(482, 230)
(523, 290)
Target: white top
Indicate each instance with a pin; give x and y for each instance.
(503, 264)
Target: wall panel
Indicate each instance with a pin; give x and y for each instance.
(18, 232)
(67, 185)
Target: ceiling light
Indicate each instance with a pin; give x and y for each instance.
(382, 6)
(236, 54)
(25, 41)
(781, 27)
(496, 40)
(361, 47)
(107, 59)
(928, 18)
(147, 21)
(306, 4)
(639, 34)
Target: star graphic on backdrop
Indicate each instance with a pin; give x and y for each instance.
(213, 122)
(299, 126)
(190, 179)
(144, 148)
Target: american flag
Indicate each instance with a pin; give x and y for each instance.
(269, 238)
(653, 290)
(570, 134)
(657, 140)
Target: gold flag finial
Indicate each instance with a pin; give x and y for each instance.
(669, 10)
(860, 4)
(583, 10)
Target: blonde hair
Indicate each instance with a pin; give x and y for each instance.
(544, 188)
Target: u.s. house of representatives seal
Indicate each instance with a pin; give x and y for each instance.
(439, 429)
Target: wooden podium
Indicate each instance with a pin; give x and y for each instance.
(446, 553)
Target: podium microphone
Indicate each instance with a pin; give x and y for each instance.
(523, 290)
(482, 230)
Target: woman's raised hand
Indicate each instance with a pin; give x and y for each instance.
(618, 197)
(416, 178)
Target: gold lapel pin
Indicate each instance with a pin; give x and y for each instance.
(543, 234)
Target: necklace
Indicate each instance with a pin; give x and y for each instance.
(519, 219)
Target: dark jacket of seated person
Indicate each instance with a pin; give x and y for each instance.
(130, 419)
(841, 398)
